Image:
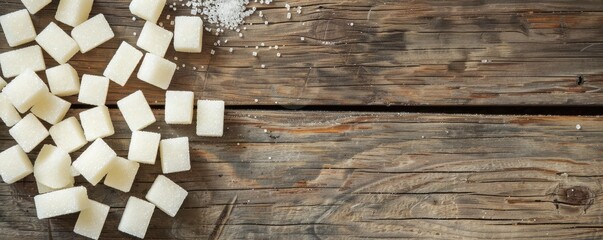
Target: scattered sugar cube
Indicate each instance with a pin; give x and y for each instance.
(14, 164)
(96, 123)
(73, 12)
(74, 172)
(179, 107)
(61, 202)
(144, 146)
(149, 10)
(92, 33)
(18, 28)
(94, 163)
(136, 111)
(63, 80)
(52, 167)
(166, 195)
(156, 71)
(123, 63)
(93, 90)
(18, 61)
(210, 118)
(68, 135)
(60, 46)
(91, 220)
(51, 108)
(25, 90)
(8, 113)
(45, 189)
(136, 217)
(154, 39)
(175, 156)
(29, 132)
(188, 34)
(122, 174)
(33, 6)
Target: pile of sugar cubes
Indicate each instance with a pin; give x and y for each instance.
(27, 94)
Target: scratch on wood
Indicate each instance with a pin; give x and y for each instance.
(587, 47)
(223, 219)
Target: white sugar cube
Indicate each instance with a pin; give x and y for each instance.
(144, 146)
(45, 189)
(8, 113)
(122, 174)
(91, 220)
(92, 33)
(136, 217)
(136, 111)
(25, 90)
(57, 43)
(175, 156)
(95, 162)
(156, 70)
(166, 195)
(63, 80)
(51, 108)
(52, 167)
(96, 123)
(93, 90)
(149, 10)
(188, 34)
(210, 118)
(154, 39)
(68, 135)
(18, 28)
(123, 63)
(61, 202)
(179, 107)
(73, 12)
(18, 61)
(14, 164)
(29, 132)
(33, 6)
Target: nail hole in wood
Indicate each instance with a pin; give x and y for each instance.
(580, 80)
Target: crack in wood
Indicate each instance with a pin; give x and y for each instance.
(223, 219)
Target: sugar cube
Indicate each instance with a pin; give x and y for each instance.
(74, 172)
(93, 90)
(94, 163)
(136, 217)
(166, 195)
(61, 202)
(8, 113)
(144, 146)
(68, 135)
(73, 12)
(188, 34)
(175, 156)
(96, 123)
(210, 118)
(122, 174)
(57, 43)
(29, 132)
(91, 220)
(14, 164)
(156, 70)
(2, 83)
(63, 80)
(149, 10)
(179, 107)
(123, 63)
(45, 189)
(52, 167)
(154, 39)
(18, 28)
(51, 108)
(18, 61)
(25, 90)
(92, 33)
(33, 6)
(136, 111)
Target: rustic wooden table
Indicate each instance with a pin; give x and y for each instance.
(285, 170)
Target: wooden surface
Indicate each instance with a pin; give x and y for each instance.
(281, 174)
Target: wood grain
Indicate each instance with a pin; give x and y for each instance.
(333, 175)
(425, 52)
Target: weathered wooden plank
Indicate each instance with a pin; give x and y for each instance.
(464, 52)
(314, 175)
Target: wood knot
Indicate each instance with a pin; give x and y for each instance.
(577, 195)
